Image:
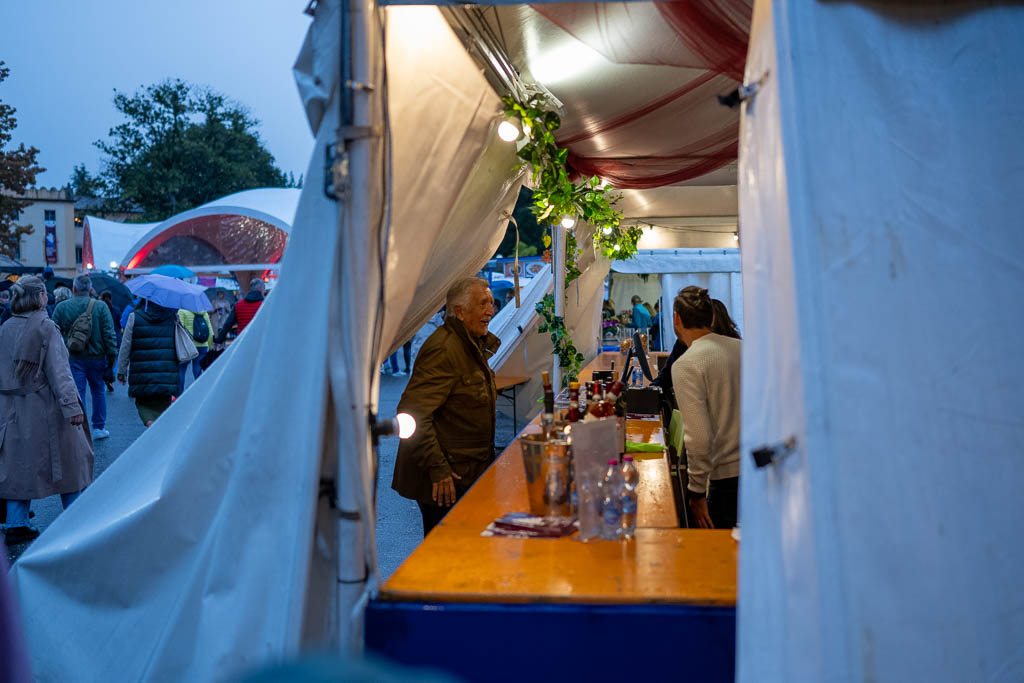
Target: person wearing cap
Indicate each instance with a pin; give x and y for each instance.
(706, 380)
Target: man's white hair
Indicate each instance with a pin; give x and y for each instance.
(459, 293)
(82, 284)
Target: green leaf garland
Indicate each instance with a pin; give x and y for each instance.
(556, 196)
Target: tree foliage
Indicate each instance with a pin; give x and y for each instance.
(84, 184)
(531, 233)
(180, 146)
(18, 170)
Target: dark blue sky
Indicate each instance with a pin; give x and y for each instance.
(67, 57)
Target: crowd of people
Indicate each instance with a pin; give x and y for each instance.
(54, 346)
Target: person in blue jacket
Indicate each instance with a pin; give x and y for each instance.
(641, 316)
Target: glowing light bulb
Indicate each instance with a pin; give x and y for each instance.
(617, 247)
(507, 131)
(568, 222)
(406, 425)
(113, 265)
(88, 266)
(606, 231)
(736, 236)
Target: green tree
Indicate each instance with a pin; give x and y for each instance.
(84, 184)
(180, 146)
(18, 169)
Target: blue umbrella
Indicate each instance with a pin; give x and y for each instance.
(170, 292)
(501, 285)
(170, 270)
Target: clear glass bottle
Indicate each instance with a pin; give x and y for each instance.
(630, 481)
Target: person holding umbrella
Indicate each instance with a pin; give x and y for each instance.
(148, 360)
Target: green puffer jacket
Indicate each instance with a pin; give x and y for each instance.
(103, 342)
(452, 395)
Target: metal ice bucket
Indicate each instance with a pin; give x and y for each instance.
(547, 474)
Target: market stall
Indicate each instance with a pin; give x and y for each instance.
(667, 597)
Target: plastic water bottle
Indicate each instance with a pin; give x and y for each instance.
(630, 479)
(611, 502)
(636, 375)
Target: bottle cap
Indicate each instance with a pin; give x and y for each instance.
(613, 461)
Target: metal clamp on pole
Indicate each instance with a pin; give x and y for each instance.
(329, 490)
(766, 455)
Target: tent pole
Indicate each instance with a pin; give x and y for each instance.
(558, 266)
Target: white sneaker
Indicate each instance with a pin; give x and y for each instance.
(98, 434)
(401, 374)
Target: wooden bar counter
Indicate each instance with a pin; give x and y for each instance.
(687, 577)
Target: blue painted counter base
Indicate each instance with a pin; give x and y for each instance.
(557, 642)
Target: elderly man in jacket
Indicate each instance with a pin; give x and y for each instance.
(452, 396)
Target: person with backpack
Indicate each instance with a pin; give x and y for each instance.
(199, 326)
(244, 311)
(88, 331)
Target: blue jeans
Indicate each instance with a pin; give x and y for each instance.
(197, 369)
(407, 353)
(91, 370)
(17, 510)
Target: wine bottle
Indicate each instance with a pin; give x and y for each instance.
(547, 419)
(595, 408)
(574, 402)
(611, 398)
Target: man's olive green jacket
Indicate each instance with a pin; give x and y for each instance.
(451, 394)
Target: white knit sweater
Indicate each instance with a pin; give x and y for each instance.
(706, 380)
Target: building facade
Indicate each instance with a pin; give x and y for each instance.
(55, 240)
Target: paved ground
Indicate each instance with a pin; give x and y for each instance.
(399, 527)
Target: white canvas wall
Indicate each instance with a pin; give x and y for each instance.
(880, 185)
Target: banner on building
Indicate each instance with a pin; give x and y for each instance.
(51, 241)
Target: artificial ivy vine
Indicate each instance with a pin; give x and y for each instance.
(556, 196)
(570, 359)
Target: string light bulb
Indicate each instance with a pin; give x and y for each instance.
(617, 247)
(113, 265)
(508, 131)
(736, 237)
(568, 222)
(607, 230)
(406, 425)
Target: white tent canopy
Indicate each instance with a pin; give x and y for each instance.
(880, 189)
(173, 564)
(248, 211)
(883, 548)
(107, 244)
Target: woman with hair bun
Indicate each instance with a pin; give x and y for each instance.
(44, 448)
(706, 380)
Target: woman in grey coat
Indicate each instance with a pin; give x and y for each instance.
(44, 448)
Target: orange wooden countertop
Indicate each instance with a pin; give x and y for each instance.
(502, 382)
(663, 564)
